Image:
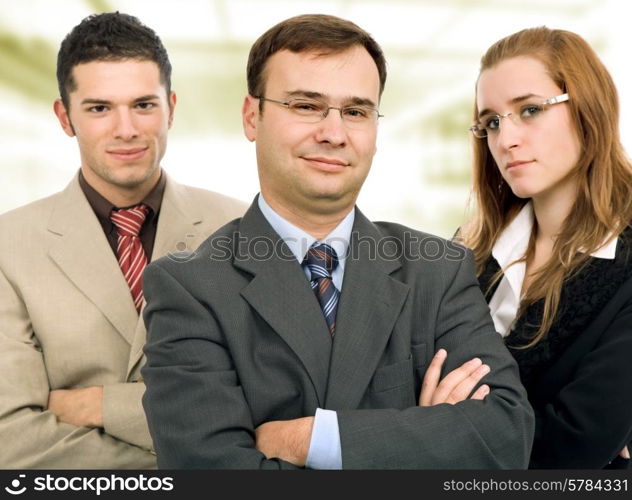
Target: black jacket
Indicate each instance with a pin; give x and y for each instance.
(579, 377)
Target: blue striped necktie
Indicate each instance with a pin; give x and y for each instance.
(321, 260)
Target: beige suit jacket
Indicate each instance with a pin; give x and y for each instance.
(67, 321)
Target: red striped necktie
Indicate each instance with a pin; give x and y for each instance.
(131, 256)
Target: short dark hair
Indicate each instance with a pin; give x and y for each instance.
(309, 32)
(110, 36)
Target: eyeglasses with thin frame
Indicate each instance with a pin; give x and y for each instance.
(488, 125)
(307, 110)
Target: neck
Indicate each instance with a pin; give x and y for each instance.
(121, 196)
(551, 210)
(313, 223)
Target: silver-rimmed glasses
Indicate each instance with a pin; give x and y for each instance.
(488, 125)
(307, 110)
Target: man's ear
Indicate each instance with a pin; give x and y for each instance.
(63, 117)
(172, 105)
(250, 117)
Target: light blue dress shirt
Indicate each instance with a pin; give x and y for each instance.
(324, 448)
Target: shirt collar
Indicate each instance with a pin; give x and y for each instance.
(103, 208)
(513, 242)
(299, 241)
(608, 250)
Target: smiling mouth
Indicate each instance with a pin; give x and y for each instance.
(326, 164)
(128, 154)
(329, 161)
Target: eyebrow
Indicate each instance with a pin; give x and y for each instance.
(515, 100)
(94, 101)
(148, 97)
(354, 100)
(89, 100)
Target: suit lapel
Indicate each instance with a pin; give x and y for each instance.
(178, 223)
(370, 303)
(177, 235)
(136, 349)
(280, 293)
(85, 257)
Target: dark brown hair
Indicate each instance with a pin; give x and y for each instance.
(110, 36)
(311, 32)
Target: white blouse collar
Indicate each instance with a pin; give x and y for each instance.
(513, 242)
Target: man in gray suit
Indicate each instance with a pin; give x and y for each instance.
(71, 335)
(301, 334)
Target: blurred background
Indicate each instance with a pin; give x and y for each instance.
(421, 173)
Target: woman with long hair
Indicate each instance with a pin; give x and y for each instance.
(552, 239)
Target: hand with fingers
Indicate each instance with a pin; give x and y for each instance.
(456, 386)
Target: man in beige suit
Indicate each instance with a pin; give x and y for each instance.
(71, 336)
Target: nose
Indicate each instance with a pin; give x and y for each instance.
(331, 129)
(510, 132)
(125, 126)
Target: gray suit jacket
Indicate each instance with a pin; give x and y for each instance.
(237, 338)
(67, 321)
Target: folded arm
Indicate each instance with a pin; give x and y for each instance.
(292, 440)
(46, 441)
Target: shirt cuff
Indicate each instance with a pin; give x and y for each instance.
(324, 447)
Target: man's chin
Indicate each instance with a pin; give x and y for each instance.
(332, 201)
(336, 194)
(133, 180)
